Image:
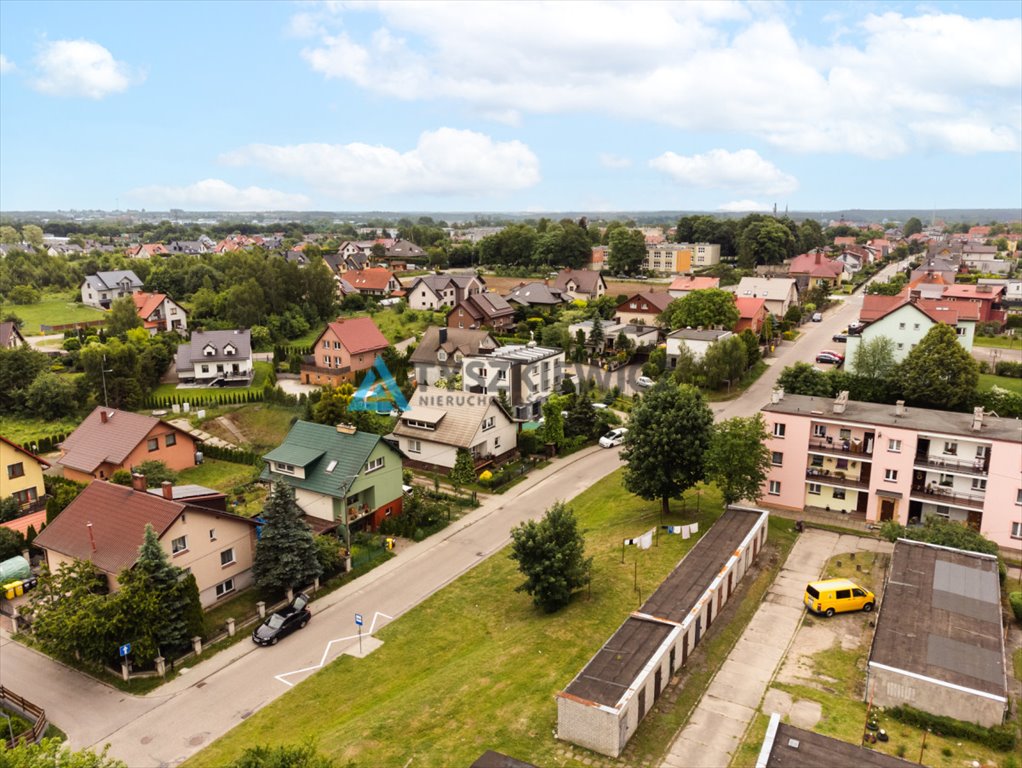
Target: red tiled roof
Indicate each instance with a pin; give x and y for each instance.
(357, 334)
(694, 283)
(875, 306)
(942, 311)
(21, 524)
(815, 265)
(373, 278)
(966, 291)
(94, 441)
(749, 307)
(147, 303)
(17, 447)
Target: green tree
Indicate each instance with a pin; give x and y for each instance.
(19, 367)
(33, 235)
(123, 316)
(464, 471)
(71, 614)
(804, 379)
(9, 235)
(24, 294)
(11, 543)
(724, 361)
(53, 752)
(912, 227)
(285, 556)
(708, 308)
(551, 555)
(553, 422)
(52, 397)
(687, 370)
(738, 459)
(656, 364)
(581, 421)
(156, 473)
(874, 359)
(752, 351)
(627, 251)
(666, 444)
(596, 337)
(810, 235)
(765, 241)
(938, 372)
(282, 756)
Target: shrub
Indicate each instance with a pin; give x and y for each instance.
(24, 294)
(788, 335)
(1009, 368)
(486, 476)
(529, 443)
(1015, 600)
(1000, 737)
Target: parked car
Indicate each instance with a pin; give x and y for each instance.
(817, 317)
(829, 357)
(599, 406)
(644, 381)
(283, 622)
(854, 329)
(614, 437)
(841, 338)
(832, 596)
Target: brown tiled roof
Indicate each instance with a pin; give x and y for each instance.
(587, 280)
(22, 524)
(875, 305)
(372, 279)
(357, 334)
(748, 307)
(147, 303)
(657, 301)
(95, 442)
(815, 264)
(464, 340)
(694, 283)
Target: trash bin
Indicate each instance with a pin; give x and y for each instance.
(390, 543)
(13, 589)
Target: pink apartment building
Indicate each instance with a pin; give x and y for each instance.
(888, 462)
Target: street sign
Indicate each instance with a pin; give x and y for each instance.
(125, 649)
(358, 619)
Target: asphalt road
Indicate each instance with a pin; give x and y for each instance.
(168, 726)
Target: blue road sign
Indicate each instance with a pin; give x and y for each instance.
(358, 619)
(125, 649)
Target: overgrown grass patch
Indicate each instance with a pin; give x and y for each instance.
(747, 381)
(1001, 342)
(397, 326)
(54, 309)
(476, 666)
(24, 430)
(263, 425)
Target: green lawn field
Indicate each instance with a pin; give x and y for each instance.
(1001, 342)
(54, 309)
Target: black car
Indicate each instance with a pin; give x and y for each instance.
(827, 357)
(283, 622)
(841, 338)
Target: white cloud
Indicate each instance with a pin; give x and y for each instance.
(6, 65)
(218, 195)
(743, 206)
(446, 161)
(730, 67)
(743, 170)
(610, 160)
(81, 68)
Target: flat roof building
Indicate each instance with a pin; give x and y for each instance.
(786, 746)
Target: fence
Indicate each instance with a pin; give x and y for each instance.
(27, 708)
(70, 326)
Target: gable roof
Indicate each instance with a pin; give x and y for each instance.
(658, 301)
(404, 249)
(456, 425)
(191, 350)
(118, 515)
(486, 306)
(96, 441)
(769, 288)
(9, 332)
(587, 280)
(147, 303)
(21, 524)
(105, 281)
(464, 340)
(977, 292)
(536, 292)
(357, 334)
(815, 265)
(316, 447)
(437, 283)
(694, 283)
(749, 307)
(28, 453)
(371, 279)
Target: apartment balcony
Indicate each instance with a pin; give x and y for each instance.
(835, 477)
(842, 448)
(952, 464)
(938, 494)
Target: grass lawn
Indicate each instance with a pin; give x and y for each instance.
(264, 425)
(1002, 342)
(479, 655)
(988, 380)
(221, 475)
(24, 431)
(262, 371)
(397, 327)
(54, 309)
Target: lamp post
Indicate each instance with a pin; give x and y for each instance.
(10, 728)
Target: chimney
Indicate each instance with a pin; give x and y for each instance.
(168, 489)
(92, 539)
(977, 418)
(841, 402)
(138, 481)
(899, 408)
(347, 429)
(818, 257)
(103, 417)
(443, 335)
(778, 395)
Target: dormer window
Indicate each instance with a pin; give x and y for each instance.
(209, 350)
(441, 355)
(230, 349)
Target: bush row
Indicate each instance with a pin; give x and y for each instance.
(1015, 600)
(231, 454)
(1000, 737)
(1009, 368)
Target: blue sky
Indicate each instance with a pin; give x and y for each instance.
(527, 106)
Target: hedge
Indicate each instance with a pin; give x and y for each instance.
(231, 454)
(1008, 368)
(1000, 737)
(227, 397)
(1015, 600)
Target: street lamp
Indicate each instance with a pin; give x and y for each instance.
(10, 728)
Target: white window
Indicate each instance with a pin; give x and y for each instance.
(838, 494)
(496, 443)
(776, 458)
(1016, 530)
(820, 430)
(373, 464)
(979, 484)
(212, 534)
(891, 475)
(951, 449)
(415, 446)
(982, 451)
(815, 488)
(894, 446)
(778, 429)
(901, 326)
(287, 469)
(224, 588)
(227, 557)
(775, 487)
(441, 355)
(488, 423)
(179, 545)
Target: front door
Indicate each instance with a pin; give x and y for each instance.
(975, 519)
(887, 507)
(861, 501)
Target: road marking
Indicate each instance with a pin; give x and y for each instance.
(326, 651)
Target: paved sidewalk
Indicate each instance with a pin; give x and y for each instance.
(716, 727)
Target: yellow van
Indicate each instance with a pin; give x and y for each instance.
(832, 596)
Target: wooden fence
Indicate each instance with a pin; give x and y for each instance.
(13, 701)
(71, 326)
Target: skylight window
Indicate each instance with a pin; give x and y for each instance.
(330, 467)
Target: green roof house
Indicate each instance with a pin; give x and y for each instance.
(340, 475)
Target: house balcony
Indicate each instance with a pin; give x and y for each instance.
(975, 467)
(834, 477)
(938, 494)
(841, 448)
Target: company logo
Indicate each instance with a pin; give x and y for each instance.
(379, 392)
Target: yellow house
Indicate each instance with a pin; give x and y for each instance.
(21, 474)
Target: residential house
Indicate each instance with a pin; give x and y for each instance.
(752, 314)
(482, 310)
(680, 257)
(526, 373)
(10, 336)
(887, 462)
(440, 422)
(216, 358)
(535, 294)
(189, 246)
(936, 270)
(108, 440)
(105, 525)
(906, 322)
(373, 281)
(294, 256)
(404, 250)
(346, 347)
(21, 475)
(844, 240)
(341, 476)
(584, 284)
(160, 313)
(1012, 296)
(99, 290)
(987, 298)
(441, 350)
(978, 234)
(639, 336)
(683, 286)
(642, 308)
(146, 251)
(696, 340)
(348, 258)
(814, 269)
(598, 258)
(779, 293)
(436, 291)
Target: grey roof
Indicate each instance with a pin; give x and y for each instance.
(437, 283)
(524, 353)
(795, 748)
(941, 617)
(106, 281)
(455, 424)
(191, 351)
(491, 303)
(922, 419)
(529, 294)
(190, 491)
(465, 340)
(695, 334)
(769, 288)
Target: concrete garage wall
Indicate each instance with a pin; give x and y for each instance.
(891, 687)
(589, 725)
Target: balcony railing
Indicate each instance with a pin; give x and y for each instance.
(834, 477)
(975, 467)
(840, 448)
(938, 494)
